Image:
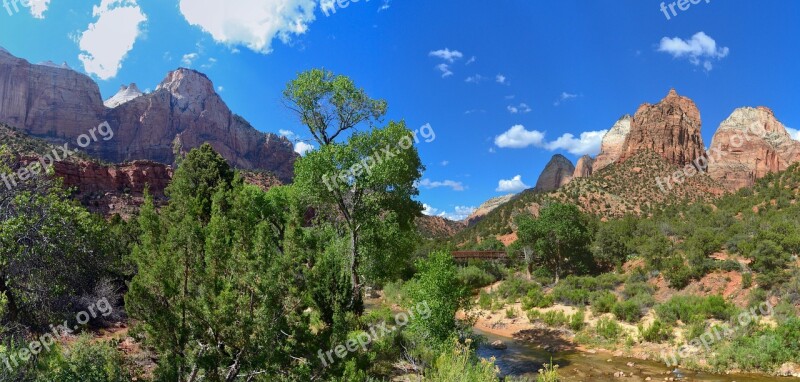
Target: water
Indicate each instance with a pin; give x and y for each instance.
(522, 359)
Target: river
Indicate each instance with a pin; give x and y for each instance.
(521, 359)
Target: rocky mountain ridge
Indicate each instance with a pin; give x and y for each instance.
(60, 104)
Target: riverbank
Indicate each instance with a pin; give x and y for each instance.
(539, 340)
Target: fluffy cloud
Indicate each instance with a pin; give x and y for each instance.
(459, 213)
(564, 97)
(427, 183)
(106, 42)
(302, 148)
(588, 143)
(501, 79)
(38, 7)
(514, 185)
(517, 137)
(701, 49)
(252, 23)
(795, 134)
(446, 54)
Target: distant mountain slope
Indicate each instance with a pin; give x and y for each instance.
(59, 104)
(628, 187)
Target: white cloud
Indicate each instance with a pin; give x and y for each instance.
(475, 79)
(429, 210)
(427, 183)
(588, 143)
(459, 212)
(251, 23)
(700, 49)
(445, 163)
(514, 184)
(473, 111)
(564, 97)
(445, 69)
(471, 60)
(302, 148)
(517, 137)
(523, 108)
(38, 7)
(220, 89)
(447, 54)
(106, 42)
(385, 6)
(501, 79)
(795, 134)
(188, 59)
(286, 133)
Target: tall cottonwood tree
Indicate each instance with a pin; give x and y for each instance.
(361, 178)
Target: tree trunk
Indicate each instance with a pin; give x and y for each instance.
(11, 305)
(356, 301)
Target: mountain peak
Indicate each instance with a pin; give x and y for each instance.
(125, 94)
(557, 173)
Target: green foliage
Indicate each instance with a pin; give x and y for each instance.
(608, 328)
(559, 237)
(536, 299)
(548, 373)
(474, 277)
(213, 288)
(437, 285)
(763, 350)
(330, 104)
(657, 332)
(628, 311)
(84, 361)
(485, 300)
(603, 302)
(578, 291)
(689, 308)
(578, 320)
(514, 288)
(459, 364)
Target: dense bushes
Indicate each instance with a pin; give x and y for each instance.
(474, 277)
(85, 361)
(579, 290)
(761, 350)
(689, 308)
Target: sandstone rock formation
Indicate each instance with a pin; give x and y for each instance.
(748, 145)
(613, 142)
(59, 105)
(487, 207)
(125, 94)
(670, 128)
(584, 168)
(557, 173)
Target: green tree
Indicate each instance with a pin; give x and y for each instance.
(52, 251)
(437, 285)
(213, 290)
(560, 237)
(362, 184)
(330, 104)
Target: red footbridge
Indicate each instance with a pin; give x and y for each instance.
(480, 255)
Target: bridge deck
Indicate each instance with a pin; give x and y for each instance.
(480, 255)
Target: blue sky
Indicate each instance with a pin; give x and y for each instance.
(473, 70)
